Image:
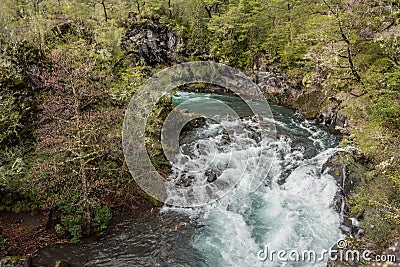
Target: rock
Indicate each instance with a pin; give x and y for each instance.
(308, 99)
(62, 263)
(346, 229)
(347, 169)
(211, 176)
(277, 87)
(332, 116)
(61, 24)
(225, 139)
(208, 88)
(350, 226)
(338, 202)
(152, 43)
(15, 261)
(298, 117)
(185, 180)
(186, 135)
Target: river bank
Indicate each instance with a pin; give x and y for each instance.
(32, 234)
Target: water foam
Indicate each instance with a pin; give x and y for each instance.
(292, 210)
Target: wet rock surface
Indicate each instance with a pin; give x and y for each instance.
(211, 176)
(347, 169)
(332, 115)
(205, 88)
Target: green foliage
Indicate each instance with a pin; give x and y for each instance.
(128, 82)
(236, 32)
(17, 112)
(102, 216)
(153, 134)
(379, 199)
(17, 195)
(58, 228)
(74, 225)
(3, 242)
(10, 119)
(73, 220)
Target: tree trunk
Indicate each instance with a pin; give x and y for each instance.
(82, 165)
(104, 10)
(169, 9)
(138, 8)
(347, 41)
(208, 9)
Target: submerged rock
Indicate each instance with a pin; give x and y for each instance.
(211, 176)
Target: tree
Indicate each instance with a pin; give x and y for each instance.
(213, 6)
(345, 38)
(72, 131)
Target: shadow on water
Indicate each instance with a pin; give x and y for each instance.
(148, 239)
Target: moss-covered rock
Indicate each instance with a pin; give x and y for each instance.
(15, 261)
(347, 168)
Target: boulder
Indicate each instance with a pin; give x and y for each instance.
(211, 176)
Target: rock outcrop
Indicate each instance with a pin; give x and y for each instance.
(152, 43)
(314, 103)
(348, 169)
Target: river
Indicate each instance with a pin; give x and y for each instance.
(291, 211)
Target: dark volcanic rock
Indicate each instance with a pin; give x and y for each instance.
(332, 115)
(152, 43)
(277, 86)
(292, 92)
(347, 170)
(205, 88)
(211, 176)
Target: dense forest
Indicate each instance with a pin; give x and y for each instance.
(69, 68)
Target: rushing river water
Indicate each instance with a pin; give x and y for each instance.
(291, 211)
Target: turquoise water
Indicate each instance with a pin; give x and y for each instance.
(291, 210)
